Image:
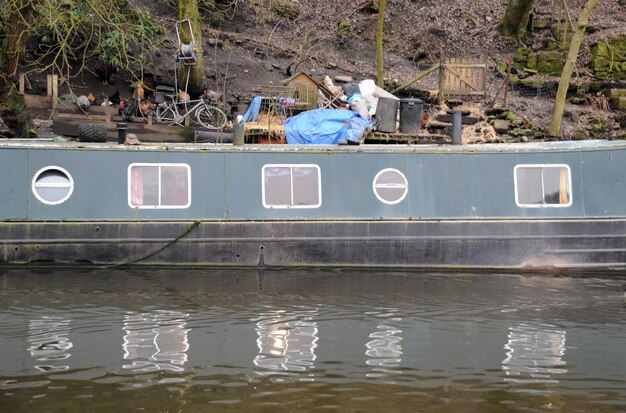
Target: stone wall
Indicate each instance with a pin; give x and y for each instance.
(608, 58)
(550, 63)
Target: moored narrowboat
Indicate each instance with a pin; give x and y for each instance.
(499, 206)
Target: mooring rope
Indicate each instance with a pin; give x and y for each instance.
(133, 261)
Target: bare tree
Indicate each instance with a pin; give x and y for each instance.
(68, 36)
(516, 17)
(382, 5)
(574, 48)
(15, 20)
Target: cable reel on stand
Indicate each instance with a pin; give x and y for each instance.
(187, 52)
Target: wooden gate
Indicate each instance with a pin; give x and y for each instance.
(460, 77)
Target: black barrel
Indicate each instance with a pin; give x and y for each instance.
(411, 115)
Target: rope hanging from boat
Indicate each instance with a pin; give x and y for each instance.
(175, 240)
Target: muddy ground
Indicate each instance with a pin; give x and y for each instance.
(257, 45)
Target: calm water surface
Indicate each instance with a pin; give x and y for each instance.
(86, 340)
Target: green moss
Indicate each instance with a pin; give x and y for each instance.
(541, 24)
(601, 75)
(345, 29)
(531, 62)
(600, 63)
(550, 64)
(597, 126)
(579, 134)
(608, 58)
(549, 44)
(19, 117)
(187, 134)
(514, 119)
(522, 54)
(527, 82)
(502, 67)
(600, 49)
(285, 8)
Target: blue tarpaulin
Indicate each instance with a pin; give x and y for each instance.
(252, 114)
(325, 126)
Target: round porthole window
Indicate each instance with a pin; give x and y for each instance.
(52, 185)
(390, 186)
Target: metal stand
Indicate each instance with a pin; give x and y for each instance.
(186, 54)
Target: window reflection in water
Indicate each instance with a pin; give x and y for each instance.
(384, 350)
(534, 354)
(156, 341)
(49, 342)
(287, 341)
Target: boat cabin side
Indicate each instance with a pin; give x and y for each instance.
(49, 183)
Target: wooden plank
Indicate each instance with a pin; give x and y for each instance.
(37, 101)
(22, 81)
(81, 117)
(465, 120)
(145, 133)
(464, 65)
(485, 76)
(55, 88)
(441, 79)
(459, 76)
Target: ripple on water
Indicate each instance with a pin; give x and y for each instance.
(374, 340)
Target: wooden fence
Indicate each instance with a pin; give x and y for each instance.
(459, 77)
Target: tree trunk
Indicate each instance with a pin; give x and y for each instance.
(12, 107)
(191, 76)
(570, 62)
(382, 5)
(516, 17)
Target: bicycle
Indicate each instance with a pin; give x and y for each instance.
(206, 115)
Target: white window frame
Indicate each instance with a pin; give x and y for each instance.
(544, 165)
(291, 166)
(159, 165)
(375, 186)
(35, 185)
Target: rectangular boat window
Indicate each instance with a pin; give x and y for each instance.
(159, 185)
(291, 186)
(543, 186)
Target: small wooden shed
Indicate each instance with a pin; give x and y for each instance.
(305, 88)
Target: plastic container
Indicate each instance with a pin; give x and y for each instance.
(411, 115)
(386, 114)
(351, 89)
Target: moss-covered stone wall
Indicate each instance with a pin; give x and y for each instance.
(608, 58)
(542, 63)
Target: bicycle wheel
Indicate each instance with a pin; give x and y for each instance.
(211, 117)
(167, 115)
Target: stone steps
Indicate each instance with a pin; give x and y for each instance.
(617, 99)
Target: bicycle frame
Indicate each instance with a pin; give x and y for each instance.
(164, 111)
(205, 114)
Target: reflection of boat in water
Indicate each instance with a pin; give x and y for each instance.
(49, 342)
(384, 350)
(534, 354)
(491, 206)
(287, 341)
(156, 341)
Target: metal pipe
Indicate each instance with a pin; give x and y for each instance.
(238, 132)
(122, 128)
(457, 128)
(202, 136)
